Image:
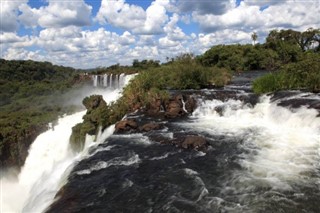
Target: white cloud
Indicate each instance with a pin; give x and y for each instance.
(121, 14)
(8, 15)
(11, 38)
(246, 17)
(57, 14)
(127, 38)
(134, 18)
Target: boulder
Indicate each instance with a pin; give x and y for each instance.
(180, 105)
(194, 142)
(174, 109)
(126, 125)
(149, 126)
(154, 107)
(190, 104)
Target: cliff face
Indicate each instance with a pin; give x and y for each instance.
(31, 97)
(15, 146)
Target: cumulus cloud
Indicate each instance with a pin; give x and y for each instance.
(57, 14)
(8, 15)
(120, 14)
(134, 18)
(251, 17)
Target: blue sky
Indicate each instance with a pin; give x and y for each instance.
(92, 33)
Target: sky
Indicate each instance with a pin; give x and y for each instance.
(100, 33)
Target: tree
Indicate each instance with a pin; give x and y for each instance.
(254, 37)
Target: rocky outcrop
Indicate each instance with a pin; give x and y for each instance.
(179, 105)
(131, 126)
(126, 125)
(176, 106)
(96, 116)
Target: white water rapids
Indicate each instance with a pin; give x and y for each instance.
(282, 145)
(48, 163)
(281, 153)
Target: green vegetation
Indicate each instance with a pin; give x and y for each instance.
(152, 84)
(31, 97)
(304, 74)
(299, 55)
(281, 47)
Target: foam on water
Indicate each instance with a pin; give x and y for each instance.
(118, 161)
(283, 146)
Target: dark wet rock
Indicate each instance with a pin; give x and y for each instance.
(282, 94)
(190, 104)
(297, 103)
(219, 110)
(227, 94)
(174, 109)
(180, 105)
(297, 99)
(181, 140)
(126, 126)
(149, 126)
(194, 142)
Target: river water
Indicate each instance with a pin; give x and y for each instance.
(264, 156)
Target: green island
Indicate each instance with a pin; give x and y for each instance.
(33, 92)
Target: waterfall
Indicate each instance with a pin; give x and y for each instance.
(95, 80)
(48, 163)
(113, 81)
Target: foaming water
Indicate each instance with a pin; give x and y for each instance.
(282, 146)
(49, 162)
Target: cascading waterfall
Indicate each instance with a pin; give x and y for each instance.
(114, 81)
(49, 160)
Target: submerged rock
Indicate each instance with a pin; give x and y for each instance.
(194, 142)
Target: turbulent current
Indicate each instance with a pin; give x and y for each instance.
(264, 156)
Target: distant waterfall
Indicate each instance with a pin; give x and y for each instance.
(114, 81)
